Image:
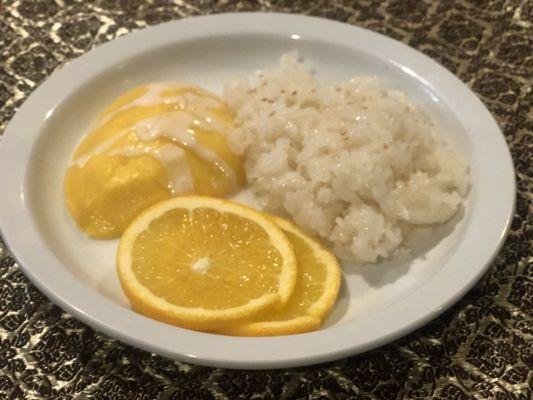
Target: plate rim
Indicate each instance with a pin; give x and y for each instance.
(98, 311)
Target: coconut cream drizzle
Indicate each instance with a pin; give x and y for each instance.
(190, 111)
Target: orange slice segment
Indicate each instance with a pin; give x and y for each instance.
(200, 263)
(317, 287)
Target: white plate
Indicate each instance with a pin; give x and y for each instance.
(377, 303)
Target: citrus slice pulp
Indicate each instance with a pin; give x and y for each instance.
(201, 262)
(315, 292)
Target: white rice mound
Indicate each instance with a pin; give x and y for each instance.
(355, 164)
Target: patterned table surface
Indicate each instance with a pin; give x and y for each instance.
(482, 348)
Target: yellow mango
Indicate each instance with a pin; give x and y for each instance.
(117, 172)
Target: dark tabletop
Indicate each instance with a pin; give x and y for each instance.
(481, 348)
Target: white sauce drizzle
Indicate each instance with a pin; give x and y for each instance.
(175, 162)
(101, 148)
(190, 111)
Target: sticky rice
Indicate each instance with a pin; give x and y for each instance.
(356, 164)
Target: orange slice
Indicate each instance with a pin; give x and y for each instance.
(317, 287)
(200, 263)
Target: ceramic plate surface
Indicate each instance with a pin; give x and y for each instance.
(377, 303)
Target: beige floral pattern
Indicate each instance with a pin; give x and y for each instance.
(482, 348)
